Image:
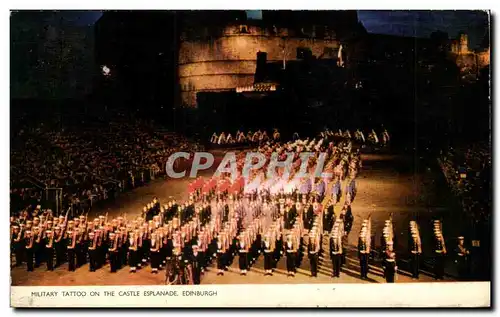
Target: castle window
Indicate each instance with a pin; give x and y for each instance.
(244, 29)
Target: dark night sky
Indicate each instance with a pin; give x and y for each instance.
(405, 23)
(423, 23)
(31, 43)
(81, 18)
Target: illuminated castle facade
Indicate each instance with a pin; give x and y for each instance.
(467, 60)
(217, 56)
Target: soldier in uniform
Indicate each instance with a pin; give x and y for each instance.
(49, 249)
(440, 253)
(287, 217)
(112, 247)
(313, 249)
(38, 246)
(308, 216)
(390, 266)
(156, 206)
(220, 256)
(28, 242)
(351, 190)
(70, 246)
(201, 249)
(168, 246)
(383, 247)
(363, 256)
(187, 250)
(101, 248)
(144, 245)
(18, 244)
(415, 250)
(278, 248)
(59, 246)
(80, 248)
(462, 259)
(344, 249)
(268, 255)
(328, 218)
(92, 251)
(336, 191)
(155, 244)
(319, 189)
(123, 244)
(336, 254)
(243, 255)
(133, 259)
(348, 218)
(169, 214)
(196, 265)
(102, 220)
(291, 254)
(145, 213)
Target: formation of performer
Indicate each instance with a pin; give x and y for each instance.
(389, 256)
(121, 242)
(337, 248)
(439, 251)
(364, 247)
(242, 137)
(415, 245)
(314, 248)
(462, 260)
(226, 219)
(359, 136)
(222, 219)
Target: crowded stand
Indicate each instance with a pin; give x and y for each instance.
(285, 215)
(468, 173)
(222, 219)
(294, 217)
(89, 161)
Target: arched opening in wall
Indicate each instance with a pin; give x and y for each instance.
(244, 29)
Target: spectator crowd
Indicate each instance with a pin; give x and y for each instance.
(468, 172)
(90, 159)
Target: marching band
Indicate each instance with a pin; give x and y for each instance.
(389, 256)
(225, 219)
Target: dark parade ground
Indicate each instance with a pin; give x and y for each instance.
(387, 183)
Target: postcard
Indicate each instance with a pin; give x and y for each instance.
(183, 158)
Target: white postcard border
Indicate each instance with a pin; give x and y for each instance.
(453, 294)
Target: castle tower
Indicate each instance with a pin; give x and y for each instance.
(454, 47)
(217, 56)
(463, 44)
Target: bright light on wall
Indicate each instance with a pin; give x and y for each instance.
(106, 71)
(241, 42)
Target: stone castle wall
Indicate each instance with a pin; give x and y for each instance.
(229, 60)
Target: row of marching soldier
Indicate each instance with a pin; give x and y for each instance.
(123, 242)
(219, 224)
(160, 232)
